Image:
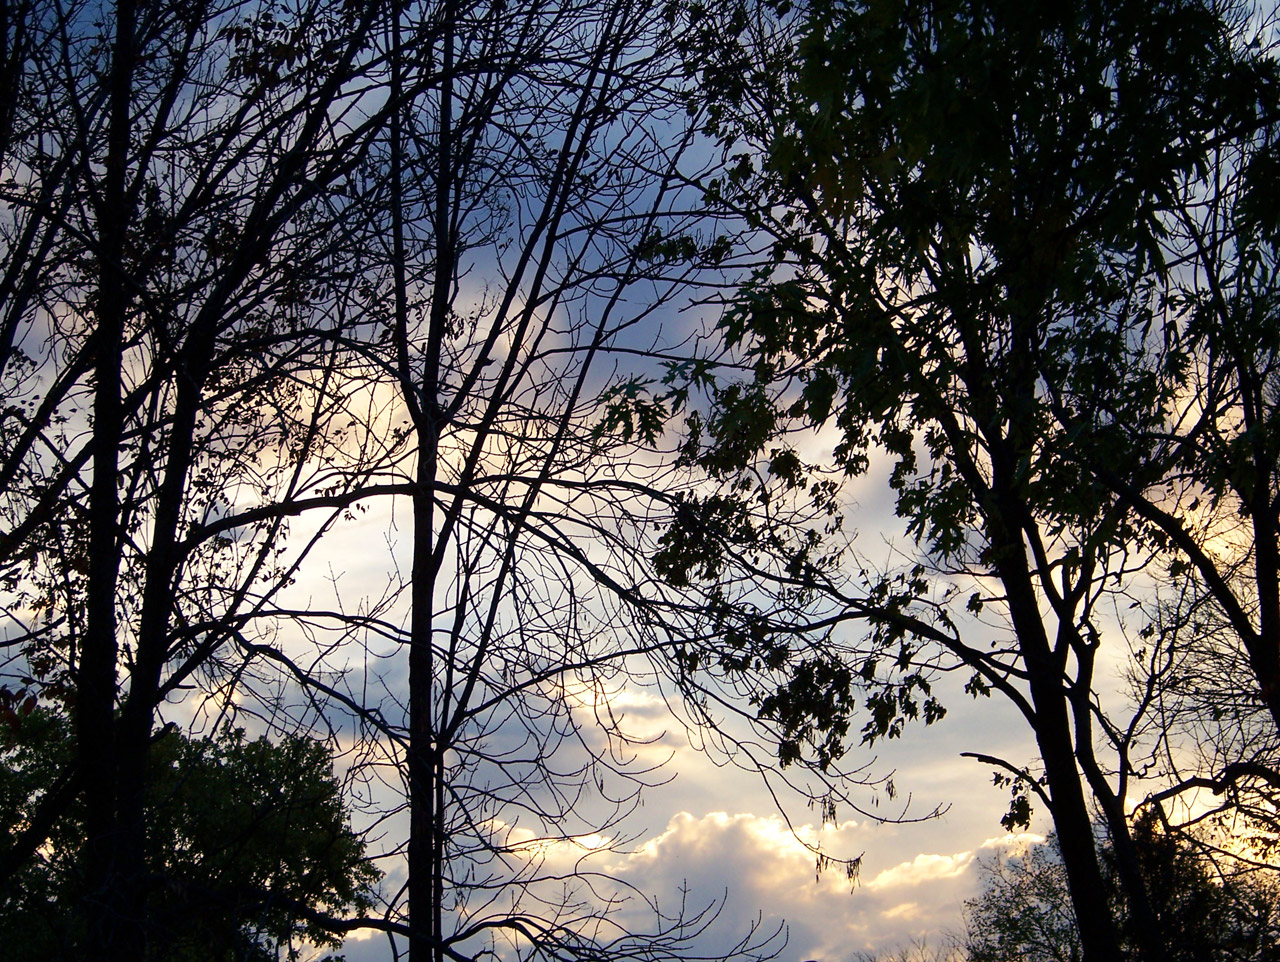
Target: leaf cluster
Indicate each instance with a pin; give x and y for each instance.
(240, 833)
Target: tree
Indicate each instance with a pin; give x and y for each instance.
(971, 206)
(171, 228)
(249, 842)
(540, 147)
(1213, 741)
(1210, 488)
(1024, 909)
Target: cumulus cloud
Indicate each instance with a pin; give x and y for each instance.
(771, 870)
(1015, 842)
(921, 869)
(764, 874)
(749, 852)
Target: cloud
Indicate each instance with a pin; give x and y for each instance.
(751, 852)
(764, 873)
(1015, 842)
(907, 910)
(771, 871)
(921, 869)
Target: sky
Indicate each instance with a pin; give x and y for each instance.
(706, 831)
(718, 833)
(711, 832)
(715, 833)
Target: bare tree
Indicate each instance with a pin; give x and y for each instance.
(537, 162)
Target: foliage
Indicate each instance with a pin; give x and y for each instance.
(245, 839)
(989, 269)
(173, 219)
(1024, 910)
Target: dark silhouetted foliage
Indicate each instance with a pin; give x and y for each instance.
(245, 839)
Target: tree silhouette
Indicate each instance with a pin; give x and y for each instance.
(986, 271)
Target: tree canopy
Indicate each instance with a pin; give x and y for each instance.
(1023, 254)
(249, 843)
(1024, 910)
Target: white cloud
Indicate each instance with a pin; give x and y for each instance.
(922, 868)
(771, 870)
(906, 910)
(764, 873)
(1015, 842)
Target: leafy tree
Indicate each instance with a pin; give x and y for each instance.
(249, 843)
(1024, 911)
(977, 212)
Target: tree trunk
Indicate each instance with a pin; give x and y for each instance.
(104, 912)
(133, 741)
(426, 753)
(1098, 935)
